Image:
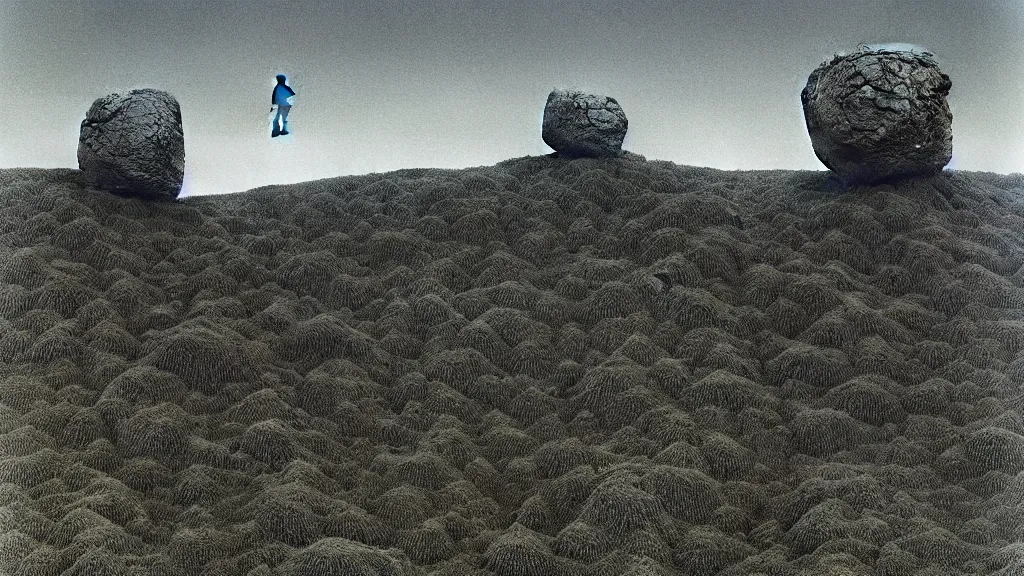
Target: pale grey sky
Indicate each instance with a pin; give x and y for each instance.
(387, 84)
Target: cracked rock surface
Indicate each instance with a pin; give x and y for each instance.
(132, 144)
(879, 114)
(580, 124)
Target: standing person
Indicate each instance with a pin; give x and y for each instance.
(282, 97)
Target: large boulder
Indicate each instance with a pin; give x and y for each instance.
(580, 124)
(132, 144)
(880, 114)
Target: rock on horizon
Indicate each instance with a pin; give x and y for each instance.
(879, 114)
(578, 124)
(133, 144)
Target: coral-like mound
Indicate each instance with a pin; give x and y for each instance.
(549, 366)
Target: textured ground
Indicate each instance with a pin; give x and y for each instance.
(544, 367)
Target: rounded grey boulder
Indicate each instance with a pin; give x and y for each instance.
(880, 114)
(132, 144)
(581, 124)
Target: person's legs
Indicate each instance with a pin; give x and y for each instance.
(277, 123)
(284, 110)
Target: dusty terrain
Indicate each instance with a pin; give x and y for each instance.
(544, 367)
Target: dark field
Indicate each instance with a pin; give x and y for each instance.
(544, 367)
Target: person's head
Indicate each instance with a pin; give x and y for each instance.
(281, 79)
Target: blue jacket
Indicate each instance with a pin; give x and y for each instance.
(280, 95)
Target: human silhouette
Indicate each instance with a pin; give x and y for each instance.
(282, 98)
